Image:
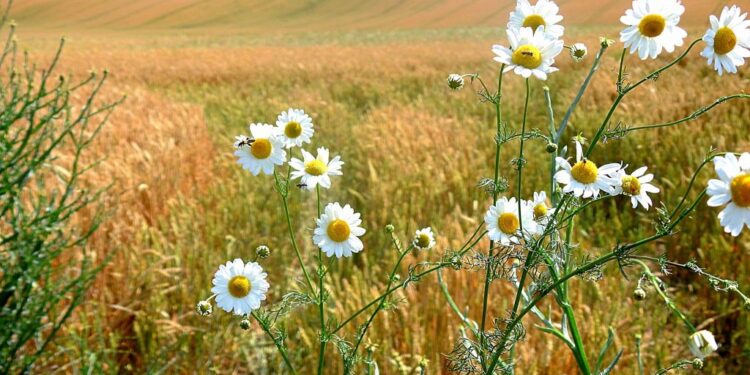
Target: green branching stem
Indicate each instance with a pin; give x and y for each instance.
(466, 248)
(619, 253)
(624, 90)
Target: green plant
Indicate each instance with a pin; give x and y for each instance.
(47, 212)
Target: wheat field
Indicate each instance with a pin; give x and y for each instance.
(372, 76)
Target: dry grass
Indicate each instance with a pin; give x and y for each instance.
(413, 154)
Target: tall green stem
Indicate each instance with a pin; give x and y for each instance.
(321, 299)
(488, 272)
(283, 193)
(401, 255)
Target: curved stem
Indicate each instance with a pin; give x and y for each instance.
(281, 349)
(291, 231)
(658, 287)
(691, 117)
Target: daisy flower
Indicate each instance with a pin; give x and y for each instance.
(578, 52)
(652, 26)
(504, 221)
(637, 186)
(424, 239)
(540, 209)
(727, 40)
(702, 343)
(530, 52)
(543, 14)
(295, 127)
(263, 153)
(239, 287)
(584, 178)
(733, 189)
(317, 170)
(338, 231)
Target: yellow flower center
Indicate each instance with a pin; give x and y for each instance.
(527, 56)
(631, 185)
(540, 210)
(534, 21)
(508, 223)
(585, 171)
(724, 41)
(293, 129)
(315, 167)
(652, 25)
(423, 240)
(239, 286)
(338, 230)
(261, 148)
(740, 188)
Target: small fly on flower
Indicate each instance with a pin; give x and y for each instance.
(242, 141)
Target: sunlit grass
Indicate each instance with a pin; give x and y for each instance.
(414, 152)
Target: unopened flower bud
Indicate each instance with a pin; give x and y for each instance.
(389, 228)
(698, 363)
(702, 343)
(605, 42)
(245, 324)
(639, 294)
(578, 52)
(746, 305)
(551, 147)
(262, 251)
(204, 308)
(455, 81)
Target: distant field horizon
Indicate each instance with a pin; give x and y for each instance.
(279, 16)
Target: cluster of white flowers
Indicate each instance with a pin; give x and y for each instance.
(584, 179)
(535, 36)
(239, 287)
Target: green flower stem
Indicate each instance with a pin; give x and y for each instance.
(283, 193)
(618, 253)
(321, 300)
(488, 273)
(281, 349)
(402, 254)
(584, 86)
(691, 117)
(658, 287)
(622, 91)
(463, 251)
